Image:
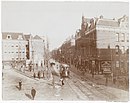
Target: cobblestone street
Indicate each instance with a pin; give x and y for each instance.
(74, 89)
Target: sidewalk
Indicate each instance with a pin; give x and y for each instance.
(99, 79)
(30, 74)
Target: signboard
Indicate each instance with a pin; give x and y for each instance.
(106, 67)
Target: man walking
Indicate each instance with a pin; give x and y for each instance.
(20, 84)
(33, 93)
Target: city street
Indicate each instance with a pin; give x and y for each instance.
(74, 89)
(65, 51)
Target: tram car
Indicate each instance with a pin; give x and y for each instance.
(65, 70)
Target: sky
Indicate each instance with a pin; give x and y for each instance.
(55, 20)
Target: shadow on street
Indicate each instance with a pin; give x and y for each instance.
(29, 96)
(17, 87)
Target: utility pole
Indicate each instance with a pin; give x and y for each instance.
(32, 64)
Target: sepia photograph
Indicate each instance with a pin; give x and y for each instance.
(65, 51)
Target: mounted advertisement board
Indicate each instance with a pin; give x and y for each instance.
(106, 67)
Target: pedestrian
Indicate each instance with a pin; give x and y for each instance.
(33, 93)
(62, 75)
(38, 74)
(30, 67)
(41, 64)
(34, 75)
(20, 85)
(43, 74)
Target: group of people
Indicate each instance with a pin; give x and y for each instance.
(39, 74)
(33, 91)
(63, 72)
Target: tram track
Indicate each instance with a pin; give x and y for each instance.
(95, 92)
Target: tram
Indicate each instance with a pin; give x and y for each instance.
(65, 70)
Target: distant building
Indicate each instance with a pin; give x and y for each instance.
(28, 46)
(13, 47)
(22, 47)
(37, 44)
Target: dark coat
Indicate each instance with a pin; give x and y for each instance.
(33, 92)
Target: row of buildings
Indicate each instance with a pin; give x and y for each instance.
(101, 43)
(23, 48)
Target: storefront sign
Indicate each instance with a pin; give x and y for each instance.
(106, 67)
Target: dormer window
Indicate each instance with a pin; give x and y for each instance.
(20, 37)
(9, 37)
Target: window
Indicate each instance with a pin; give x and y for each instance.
(122, 37)
(122, 49)
(117, 49)
(12, 52)
(127, 37)
(5, 52)
(16, 52)
(16, 45)
(117, 64)
(12, 46)
(8, 36)
(117, 37)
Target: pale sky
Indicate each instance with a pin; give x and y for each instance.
(57, 20)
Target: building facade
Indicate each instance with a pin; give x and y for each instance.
(22, 47)
(113, 43)
(99, 42)
(36, 51)
(13, 47)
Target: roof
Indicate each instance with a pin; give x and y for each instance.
(14, 35)
(108, 22)
(37, 37)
